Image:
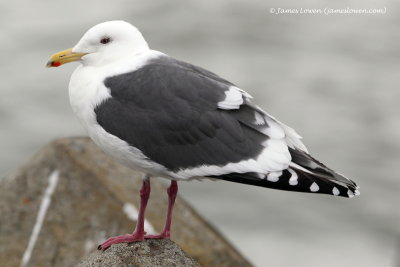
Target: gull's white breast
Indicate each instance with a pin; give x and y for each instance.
(87, 90)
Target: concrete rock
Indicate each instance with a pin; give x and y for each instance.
(154, 253)
(94, 198)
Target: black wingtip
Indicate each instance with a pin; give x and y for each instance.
(293, 179)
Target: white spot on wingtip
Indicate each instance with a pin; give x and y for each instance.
(350, 194)
(274, 176)
(261, 175)
(357, 193)
(44, 205)
(335, 191)
(293, 178)
(314, 187)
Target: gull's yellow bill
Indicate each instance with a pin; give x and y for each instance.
(64, 57)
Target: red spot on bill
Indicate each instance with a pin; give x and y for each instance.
(56, 64)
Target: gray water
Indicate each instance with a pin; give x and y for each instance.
(333, 78)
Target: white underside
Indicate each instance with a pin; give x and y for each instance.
(86, 90)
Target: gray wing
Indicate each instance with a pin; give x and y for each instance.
(178, 116)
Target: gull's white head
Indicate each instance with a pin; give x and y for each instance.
(104, 43)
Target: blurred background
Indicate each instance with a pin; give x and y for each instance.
(335, 79)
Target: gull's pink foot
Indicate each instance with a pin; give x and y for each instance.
(128, 238)
(138, 234)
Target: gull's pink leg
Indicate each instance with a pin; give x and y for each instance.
(172, 192)
(138, 234)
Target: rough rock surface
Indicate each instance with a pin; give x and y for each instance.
(94, 198)
(154, 253)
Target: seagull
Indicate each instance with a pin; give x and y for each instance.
(171, 119)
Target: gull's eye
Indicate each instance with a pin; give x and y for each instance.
(105, 40)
